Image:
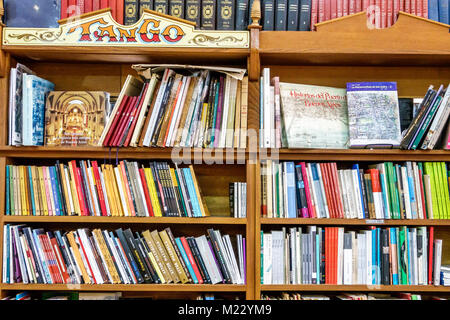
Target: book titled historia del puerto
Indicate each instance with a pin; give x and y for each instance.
(313, 116)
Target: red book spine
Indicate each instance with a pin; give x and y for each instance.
(321, 10)
(122, 124)
(327, 255)
(146, 192)
(50, 265)
(419, 8)
(331, 188)
(314, 13)
(127, 187)
(383, 14)
(83, 195)
(365, 4)
(335, 254)
(104, 4)
(340, 8)
(390, 11)
(80, 5)
(88, 4)
(423, 195)
(191, 259)
(345, 8)
(337, 189)
(358, 7)
(120, 11)
(98, 182)
(117, 117)
(413, 7)
(60, 261)
(326, 184)
(408, 6)
(52, 258)
(402, 5)
(83, 252)
(396, 10)
(351, 7)
(425, 8)
(95, 5)
(378, 13)
(78, 187)
(430, 255)
(113, 6)
(333, 9)
(307, 191)
(64, 6)
(135, 117)
(327, 10)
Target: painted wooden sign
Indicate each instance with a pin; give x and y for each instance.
(99, 29)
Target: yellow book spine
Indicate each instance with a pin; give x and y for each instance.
(123, 195)
(108, 191)
(203, 207)
(155, 265)
(35, 191)
(437, 184)
(157, 256)
(116, 195)
(44, 194)
(23, 197)
(17, 201)
(153, 196)
(173, 256)
(429, 171)
(73, 188)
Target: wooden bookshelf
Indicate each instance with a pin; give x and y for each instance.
(415, 52)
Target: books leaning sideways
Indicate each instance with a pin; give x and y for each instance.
(180, 106)
(409, 190)
(97, 256)
(89, 189)
(332, 255)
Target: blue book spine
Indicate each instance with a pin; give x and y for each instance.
(305, 15)
(8, 209)
(318, 257)
(186, 260)
(394, 243)
(292, 20)
(385, 195)
(356, 167)
(192, 193)
(281, 15)
(128, 253)
(443, 11)
(33, 205)
(291, 194)
(374, 257)
(316, 182)
(58, 191)
(121, 257)
(8, 254)
(242, 16)
(378, 231)
(40, 89)
(412, 197)
(433, 10)
(268, 14)
(54, 192)
(407, 240)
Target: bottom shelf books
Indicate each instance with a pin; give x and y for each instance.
(351, 296)
(121, 257)
(331, 255)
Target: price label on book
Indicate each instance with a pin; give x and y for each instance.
(372, 221)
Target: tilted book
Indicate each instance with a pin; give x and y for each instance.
(75, 117)
(373, 114)
(313, 116)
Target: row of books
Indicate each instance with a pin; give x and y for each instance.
(303, 15)
(203, 109)
(351, 296)
(26, 295)
(364, 114)
(88, 189)
(332, 255)
(238, 199)
(120, 257)
(412, 190)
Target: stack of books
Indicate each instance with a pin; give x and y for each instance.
(412, 190)
(331, 255)
(121, 257)
(88, 189)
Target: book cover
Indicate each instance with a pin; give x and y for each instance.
(208, 14)
(281, 15)
(242, 16)
(143, 4)
(176, 8)
(193, 12)
(373, 114)
(225, 15)
(75, 117)
(293, 15)
(131, 12)
(443, 11)
(306, 110)
(161, 6)
(305, 15)
(267, 9)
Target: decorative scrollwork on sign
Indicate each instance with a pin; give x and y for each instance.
(203, 40)
(47, 36)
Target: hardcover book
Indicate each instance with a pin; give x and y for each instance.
(161, 6)
(306, 110)
(242, 17)
(193, 12)
(131, 11)
(177, 8)
(75, 117)
(225, 14)
(373, 114)
(208, 17)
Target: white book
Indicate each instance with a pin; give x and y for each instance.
(210, 265)
(280, 194)
(244, 200)
(425, 255)
(174, 126)
(104, 191)
(156, 108)
(340, 256)
(102, 258)
(240, 257)
(231, 113)
(348, 176)
(269, 178)
(442, 108)
(69, 190)
(437, 261)
(313, 190)
(343, 189)
(312, 230)
(145, 105)
(414, 255)
(90, 256)
(406, 192)
(12, 109)
(284, 190)
(226, 256)
(232, 254)
(361, 258)
(347, 257)
(5, 252)
(29, 267)
(141, 189)
(122, 256)
(356, 192)
(322, 188)
(21, 256)
(83, 259)
(95, 200)
(354, 257)
(225, 110)
(277, 257)
(440, 126)
(292, 254)
(267, 260)
(276, 168)
(420, 209)
(189, 121)
(269, 118)
(369, 267)
(121, 192)
(298, 256)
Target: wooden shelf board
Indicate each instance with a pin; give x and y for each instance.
(113, 54)
(124, 220)
(354, 222)
(358, 154)
(353, 288)
(127, 287)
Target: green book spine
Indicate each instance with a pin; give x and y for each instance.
(446, 191)
(429, 171)
(426, 123)
(399, 268)
(437, 183)
(388, 189)
(261, 268)
(425, 213)
(442, 189)
(401, 207)
(393, 191)
(403, 266)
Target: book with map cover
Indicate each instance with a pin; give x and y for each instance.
(373, 114)
(313, 116)
(75, 117)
